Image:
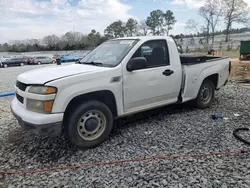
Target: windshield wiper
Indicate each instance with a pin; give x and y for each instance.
(92, 63)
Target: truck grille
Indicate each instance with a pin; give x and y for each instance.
(19, 98)
(21, 85)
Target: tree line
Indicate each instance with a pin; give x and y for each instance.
(215, 11)
(157, 23)
(219, 32)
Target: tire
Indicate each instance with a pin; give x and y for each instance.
(5, 65)
(86, 117)
(39, 62)
(22, 64)
(205, 96)
(53, 62)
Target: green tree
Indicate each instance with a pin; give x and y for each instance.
(131, 27)
(155, 22)
(4, 47)
(93, 38)
(115, 29)
(169, 20)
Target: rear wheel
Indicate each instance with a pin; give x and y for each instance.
(22, 64)
(39, 63)
(89, 124)
(206, 95)
(5, 65)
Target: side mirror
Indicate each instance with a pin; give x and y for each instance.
(136, 64)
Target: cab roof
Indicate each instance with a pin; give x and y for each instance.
(145, 38)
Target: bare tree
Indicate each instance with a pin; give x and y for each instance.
(192, 25)
(234, 11)
(51, 40)
(211, 12)
(204, 13)
(191, 41)
(143, 28)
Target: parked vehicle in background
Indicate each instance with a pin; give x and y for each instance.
(13, 62)
(38, 60)
(55, 57)
(78, 61)
(29, 59)
(68, 58)
(3, 62)
(118, 78)
(4, 58)
(26, 59)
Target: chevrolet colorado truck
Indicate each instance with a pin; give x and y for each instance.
(120, 77)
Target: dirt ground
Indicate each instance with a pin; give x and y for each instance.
(240, 69)
(240, 72)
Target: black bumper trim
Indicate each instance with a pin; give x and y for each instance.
(52, 129)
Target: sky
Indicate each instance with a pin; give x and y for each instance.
(22, 19)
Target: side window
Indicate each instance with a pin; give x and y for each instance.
(155, 51)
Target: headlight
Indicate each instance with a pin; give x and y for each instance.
(42, 90)
(44, 107)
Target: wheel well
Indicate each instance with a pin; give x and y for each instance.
(214, 78)
(105, 96)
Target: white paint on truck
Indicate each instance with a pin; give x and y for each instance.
(118, 89)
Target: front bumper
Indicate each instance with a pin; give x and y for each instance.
(44, 124)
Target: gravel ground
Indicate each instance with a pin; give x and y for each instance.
(171, 130)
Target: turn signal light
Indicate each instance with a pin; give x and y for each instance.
(48, 106)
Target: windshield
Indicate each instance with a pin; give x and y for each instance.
(110, 53)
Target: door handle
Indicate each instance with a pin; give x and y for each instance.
(168, 72)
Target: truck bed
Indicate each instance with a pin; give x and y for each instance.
(187, 59)
(202, 67)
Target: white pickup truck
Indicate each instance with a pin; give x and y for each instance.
(120, 77)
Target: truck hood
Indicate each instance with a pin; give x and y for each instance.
(43, 75)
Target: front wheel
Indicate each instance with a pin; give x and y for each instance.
(206, 95)
(89, 124)
(22, 64)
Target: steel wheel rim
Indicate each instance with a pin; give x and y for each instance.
(206, 94)
(83, 126)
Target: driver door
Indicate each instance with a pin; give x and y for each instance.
(155, 85)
